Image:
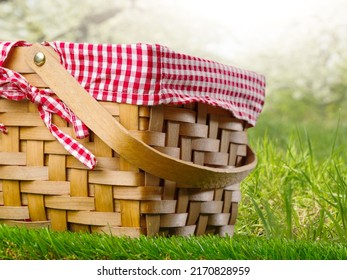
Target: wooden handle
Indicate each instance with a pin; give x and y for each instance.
(119, 139)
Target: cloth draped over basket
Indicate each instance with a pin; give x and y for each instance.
(139, 74)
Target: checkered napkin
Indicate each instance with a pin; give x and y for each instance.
(141, 74)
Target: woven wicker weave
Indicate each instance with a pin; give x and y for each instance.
(42, 185)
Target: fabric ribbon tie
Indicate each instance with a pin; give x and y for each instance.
(14, 87)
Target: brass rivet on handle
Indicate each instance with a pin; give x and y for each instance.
(39, 59)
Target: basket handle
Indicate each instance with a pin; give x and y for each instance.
(120, 140)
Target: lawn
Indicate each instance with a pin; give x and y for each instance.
(299, 187)
(43, 244)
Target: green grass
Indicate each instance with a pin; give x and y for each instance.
(20, 243)
(299, 187)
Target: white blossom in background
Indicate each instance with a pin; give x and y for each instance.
(298, 44)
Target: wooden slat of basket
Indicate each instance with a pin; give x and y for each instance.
(234, 212)
(10, 188)
(239, 137)
(46, 187)
(79, 183)
(173, 130)
(194, 212)
(219, 219)
(218, 194)
(41, 133)
(23, 119)
(137, 193)
(242, 150)
(211, 207)
(179, 115)
(69, 203)
(78, 188)
(151, 138)
(111, 107)
(201, 195)
(216, 158)
(206, 145)
(94, 218)
(119, 178)
(233, 154)
(152, 224)
(57, 172)
(101, 149)
(23, 173)
(236, 196)
(10, 143)
(151, 180)
(36, 207)
(227, 201)
(35, 157)
(198, 157)
(103, 194)
(134, 232)
(14, 212)
(182, 200)
(193, 130)
(158, 207)
(173, 220)
(213, 126)
(35, 153)
(12, 158)
(201, 225)
(144, 111)
(225, 141)
(156, 120)
(169, 190)
(54, 147)
(143, 123)
(170, 151)
(183, 231)
(130, 209)
(231, 124)
(13, 106)
(58, 219)
(56, 168)
(104, 163)
(201, 113)
(186, 149)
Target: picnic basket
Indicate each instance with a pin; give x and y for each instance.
(168, 169)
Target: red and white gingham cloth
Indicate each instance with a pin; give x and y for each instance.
(141, 74)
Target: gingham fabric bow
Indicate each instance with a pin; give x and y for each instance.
(139, 74)
(13, 86)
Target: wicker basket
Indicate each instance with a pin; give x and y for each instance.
(172, 170)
